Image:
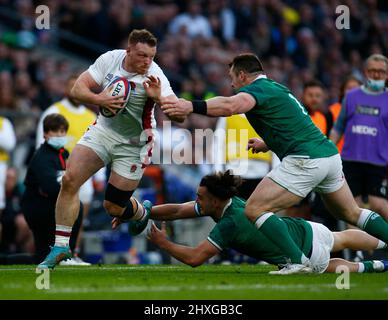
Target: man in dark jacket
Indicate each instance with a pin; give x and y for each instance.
(42, 183)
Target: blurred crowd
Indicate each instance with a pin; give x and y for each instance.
(298, 41)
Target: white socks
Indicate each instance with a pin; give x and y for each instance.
(139, 213)
(62, 235)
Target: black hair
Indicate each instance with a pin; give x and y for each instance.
(222, 185)
(55, 122)
(247, 62)
(312, 84)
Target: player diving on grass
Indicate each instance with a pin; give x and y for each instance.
(309, 161)
(216, 198)
(115, 140)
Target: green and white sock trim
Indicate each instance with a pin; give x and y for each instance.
(370, 266)
(263, 218)
(365, 215)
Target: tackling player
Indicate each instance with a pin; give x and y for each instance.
(117, 140)
(309, 160)
(216, 198)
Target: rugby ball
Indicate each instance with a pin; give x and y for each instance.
(118, 87)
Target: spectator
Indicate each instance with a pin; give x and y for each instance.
(42, 187)
(192, 22)
(313, 99)
(363, 119)
(348, 84)
(7, 144)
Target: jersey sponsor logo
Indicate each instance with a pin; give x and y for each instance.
(368, 110)
(365, 130)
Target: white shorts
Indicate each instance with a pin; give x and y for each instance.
(323, 241)
(301, 175)
(128, 160)
(3, 176)
(86, 192)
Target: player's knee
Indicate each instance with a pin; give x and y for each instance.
(117, 200)
(69, 183)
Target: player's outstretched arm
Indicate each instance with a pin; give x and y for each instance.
(188, 255)
(214, 107)
(179, 119)
(173, 211)
(83, 91)
(153, 88)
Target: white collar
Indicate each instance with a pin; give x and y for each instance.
(260, 76)
(226, 207)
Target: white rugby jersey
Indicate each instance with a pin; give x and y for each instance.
(138, 115)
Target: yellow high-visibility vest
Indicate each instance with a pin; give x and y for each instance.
(238, 132)
(4, 156)
(78, 124)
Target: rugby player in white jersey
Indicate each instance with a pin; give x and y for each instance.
(123, 140)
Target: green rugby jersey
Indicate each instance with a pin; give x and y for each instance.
(283, 123)
(235, 231)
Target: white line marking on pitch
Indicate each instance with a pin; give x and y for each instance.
(88, 268)
(129, 289)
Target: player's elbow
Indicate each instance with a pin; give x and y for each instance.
(194, 263)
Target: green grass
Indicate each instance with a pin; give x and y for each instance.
(181, 282)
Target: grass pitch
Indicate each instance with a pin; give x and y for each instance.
(182, 282)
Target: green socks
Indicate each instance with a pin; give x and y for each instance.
(276, 230)
(373, 224)
(371, 266)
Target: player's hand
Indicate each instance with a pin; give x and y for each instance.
(257, 145)
(156, 235)
(113, 104)
(172, 99)
(115, 223)
(177, 108)
(153, 88)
